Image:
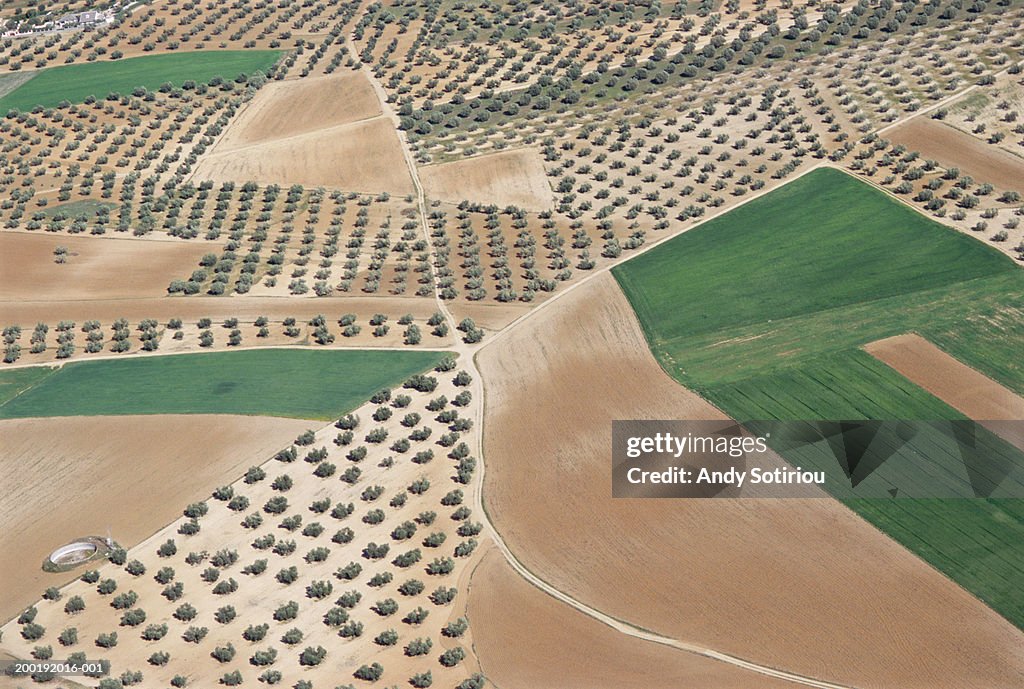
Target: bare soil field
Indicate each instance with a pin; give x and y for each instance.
(489, 316)
(557, 647)
(803, 585)
(955, 383)
(953, 148)
(287, 108)
(509, 178)
(131, 474)
(375, 512)
(364, 156)
(96, 268)
(189, 309)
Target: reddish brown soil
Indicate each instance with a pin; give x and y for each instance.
(955, 383)
(509, 178)
(953, 148)
(489, 316)
(287, 108)
(96, 267)
(364, 156)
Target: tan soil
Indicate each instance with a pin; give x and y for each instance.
(492, 316)
(803, 585)
(991, 109)
(96, 268)
(955, 383)
(78, 476)
(258, 596)
(364, 156)
(28, 313)
(287, 108)
(953, 148)
(557, 647)
(753, 5)
(509, 178)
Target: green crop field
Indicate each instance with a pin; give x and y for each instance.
(284, 382)
(821, 242)
(12, 80)
(764, 311)
(13, 383)
(87, 209)
(75, 83)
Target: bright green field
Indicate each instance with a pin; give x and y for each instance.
(284, 382)
(75, 83)
(764, 310)
(820, 242)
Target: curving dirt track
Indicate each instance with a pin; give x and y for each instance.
(805, 586)
(561, 648)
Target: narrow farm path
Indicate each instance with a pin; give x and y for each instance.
(936, 105)
(468, 362)
(467, 354)
(421, 200)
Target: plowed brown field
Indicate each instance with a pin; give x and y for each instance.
(955, 383)
(131, 474)
(363, 156)
(286, 108)
(802, 585)
(96, 268)
(557, 647)
(953, 148)
(509, 178)
(489, 316)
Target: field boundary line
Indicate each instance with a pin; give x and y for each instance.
(21, 392)
(614, 623)
(293, 137)
(892, 195)
(647, 247)
(14, 83)
(935, 106)
(139, 355)
(644, 249)
(421, 199)
(123, 236)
